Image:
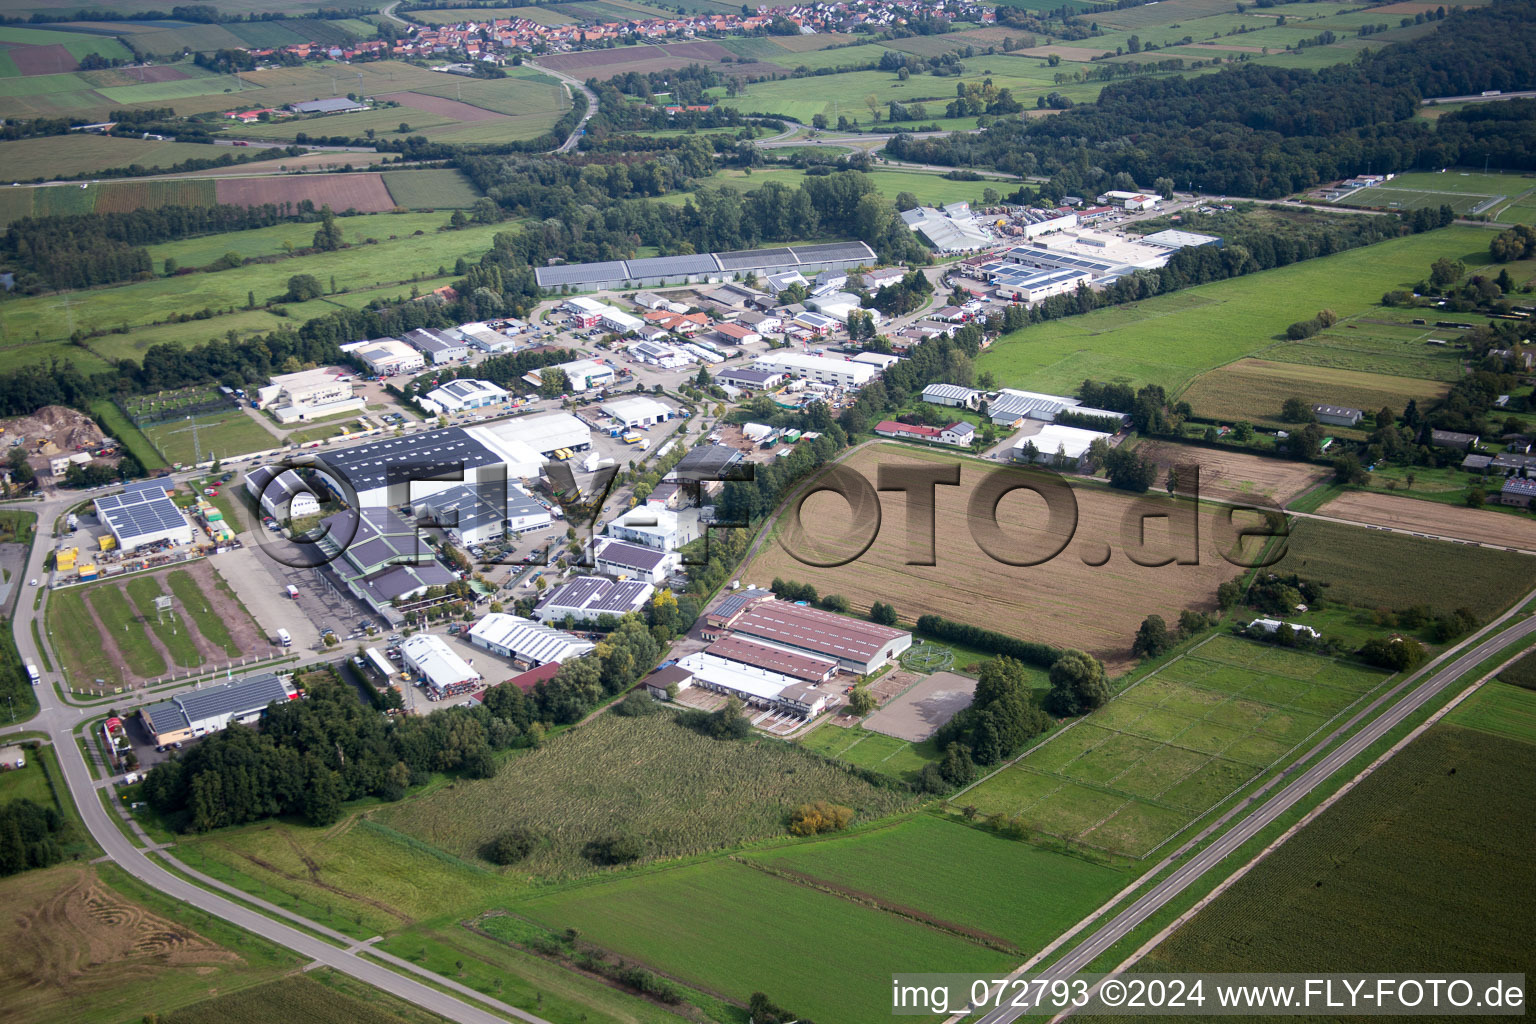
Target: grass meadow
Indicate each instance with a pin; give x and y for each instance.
(731, 930)
(1426, 861)
(1128, 777)
(887, 755)
(321, 995)
(1500, 709)
(224, 434)
(1171, 339)
(1015, 892)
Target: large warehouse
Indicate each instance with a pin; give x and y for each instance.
(637, 411)
(541, 435)
(281, 494)
(444, 672)
(823, 369)
(382, 470)
(213, 708)
(857, 646)
(713, 266)
(143, 514)
(526, 642)
(588, 598)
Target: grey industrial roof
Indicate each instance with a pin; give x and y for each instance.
(581, 273)
(619, 598)
(373, 537)
(748, 375)
(773, 659)
(705, 462)
(757, 259)
(1336, 410)
(735, 602)
(949, 391)
(461, 508)
(139, 513)
(429, 339)
(414, 456)
(833, 251)
(632, 556)
(595, 594)
(667, 266)
(240, 698)
(398, 580)
(1058, 259)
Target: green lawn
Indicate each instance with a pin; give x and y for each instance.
(1171, 339)
(1499, 709)
(126, 628)
(727, 928)
(949, 873)
(118, 426)
(171, 629)
(74, 637)
(270, 241)
(444, 189)
(225, 434)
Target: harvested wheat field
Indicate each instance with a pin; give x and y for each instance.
(1064, 601)
(1233, 476)
(1435, 518)
(77, 949)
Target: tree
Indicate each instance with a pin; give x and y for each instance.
(1229, 593)
(1078, 684)
(861, 701)
(1163, 187)
(170, 266)
(513, 845)
(819, 121)
(1294, 410)
(1130, 470)
(883, 613)
(1153, 638)
(553, 382)
(1347, 470)
(1242, 432)
(1446, 271)
(303, 287)
(816, 818)
(328, 237)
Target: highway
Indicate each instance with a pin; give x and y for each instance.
(1497, 638)
(60, 720)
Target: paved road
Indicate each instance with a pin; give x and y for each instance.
(1480, 98)
(1211, 856)
(60, 720)
(572, 83)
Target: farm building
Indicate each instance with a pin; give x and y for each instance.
(1504, 463)
(632, 562)
(657, 271)
(818, 368)
(444, 672)
(1180, 239)
(805, 667)
(1057, 445)
(213, 708)
(1337, 415)
(1273, 626)
(462, 395)
(334, 105)
(580, 374)
(437, 346)
(730, 608)
(906, 431)
(281, 494)
(1517, 491)
(309, 394)
(954, 395)
(637, 411)
(585, 599)
(749, 378)
(539, 436)
(859, 647)
(525, 641)
(960, 434)
(143, 514)
(1452, 439)
(388, 356)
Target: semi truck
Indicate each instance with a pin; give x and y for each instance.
(33, 674)
(284, 639)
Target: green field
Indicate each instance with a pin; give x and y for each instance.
(446, 189)
(600, 779)
(1499, 709)
(1134, 773)
(172, 630)
(912, 866)
(106, 197)
(930, 188)
(222, 434)
(81, 153)
(275, 240)
(194, 604)
(125, 626)
(875, 751)
(1443, 575)
(731, 930)
(542, 15)
(1428, 860)
(77, 43)
(1172, 338)
(314, 996)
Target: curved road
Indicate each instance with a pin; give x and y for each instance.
(60, 720)
(1209, 858)
(572, 83)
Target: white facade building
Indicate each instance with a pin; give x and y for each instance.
(526, 641)
(309, 394)
(389, 356)
(818, 368)
(461, 395)
(430, 657)
(637, 411)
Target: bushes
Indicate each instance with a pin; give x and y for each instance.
(615, 849)
(636, 704)
(938, 628)
(512, 846)
(814, 819)
(1001, 718)
(726, 723)
(1398, 653)
(1078, 684)
(883, 613)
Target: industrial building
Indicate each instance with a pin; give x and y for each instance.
(841, 305)
(1019, 283)
(1012, 407)
(857, 646)
(438, 347)
(213, 708)
(1173, 239)
(1057, 445)
(1338, 415)
(387, 356)
(462, 395)
(739, 334)
(540, 435)
(379, 558)
(1131, 200)
(335, 105)
(950, 230)
(143, 514)
(438, 665)
(659, 271)
(626, 561)
(526, 642)
(1032, 222)
(281, 494)
(580, 374)
(637, 411)
(658, 353)
(749, 379)
(491, 339)
(395, 470)
(585, 599)
(822, 369)
(953, 395)
(709, 462)
(650, 527)
(755, 687)
(309, 394)
(805, 667)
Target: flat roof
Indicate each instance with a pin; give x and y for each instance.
(140, 512)
(241, 698)
(380, 461)
(632, 556)
(433, 658)
(527, 639)
(825, 633)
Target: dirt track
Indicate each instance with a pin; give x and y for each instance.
(1433, 517)
(1233, 476)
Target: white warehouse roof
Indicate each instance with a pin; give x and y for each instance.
(435, 661)
(527, 640)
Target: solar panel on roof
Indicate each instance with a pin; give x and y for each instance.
(580, 273)
(666, 266)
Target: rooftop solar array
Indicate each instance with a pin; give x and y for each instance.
(1051, 258)
(418, 456)
(619, 598)
(237, 699)
(632, 556)
(140, 513)
(782, 257)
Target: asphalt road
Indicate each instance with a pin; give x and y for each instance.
(1291, 794)
(60, 720)
(572, 83)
